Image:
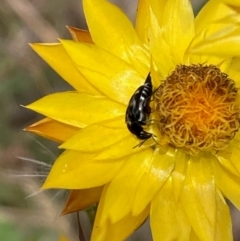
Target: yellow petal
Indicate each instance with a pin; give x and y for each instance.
(120, 194)
(167, 217)
(160, 167)
(77, 109)
(58, 59)
(109, 74)
(178, 25)
(198, 196)
(80, 35)
(229, 158)
(233, 158)
(118, 231)
(207, 15)
(126, 146)
(160, 49)
(52, 129)
(224, 64)
(228, 183)
(211, 23)
(232, 3)
(87, 140)
(158, 45)
(113, 31)
(233, 71)
(225, 41)
(76, 170)
(158, 8)
(226, 162)
(220, 62)
(179, 172)
(193, 236)
(223, 230)
(223, 30)
(81, 199)
(142, 21)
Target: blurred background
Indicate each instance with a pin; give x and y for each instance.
(26, 213)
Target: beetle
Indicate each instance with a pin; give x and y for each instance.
(138, 110)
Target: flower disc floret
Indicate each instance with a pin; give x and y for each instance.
(197, 108)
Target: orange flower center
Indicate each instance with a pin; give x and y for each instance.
(198, 109)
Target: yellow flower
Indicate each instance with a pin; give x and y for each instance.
(180, 176)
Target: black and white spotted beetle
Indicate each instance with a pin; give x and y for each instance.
(139, 110)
